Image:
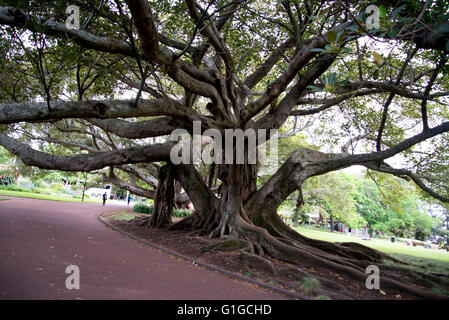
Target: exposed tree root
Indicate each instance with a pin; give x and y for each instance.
(341, 258)
(258, 260)
(139, 221)
(346, 259)
(263, 234)
(330, 285)
(396, 280)
(233, 243)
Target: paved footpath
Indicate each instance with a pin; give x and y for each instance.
(39, 239)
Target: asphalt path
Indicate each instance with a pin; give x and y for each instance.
(40, 238)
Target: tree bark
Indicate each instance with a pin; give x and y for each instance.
(164, 199)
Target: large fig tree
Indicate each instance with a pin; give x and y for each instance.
(366, 82)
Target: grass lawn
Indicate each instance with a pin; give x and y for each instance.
(397, 248)
(42, 196)
(129, 215)
(122, 215)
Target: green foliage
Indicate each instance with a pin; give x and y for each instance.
(330, 83)
(141, 208)
(386, 204)
(301, 216)
(13, 187)
(440, 291)
(392, 206)
(179, 213)
(330, 195)
(382, 12)
(5, 156)
(389, 205)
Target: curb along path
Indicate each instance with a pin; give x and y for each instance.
(208, 266)
(40, 238)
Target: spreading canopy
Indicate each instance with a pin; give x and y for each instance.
(109, 92)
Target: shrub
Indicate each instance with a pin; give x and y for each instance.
(25, 183)
(12, 187)
(58, 187)
(182, 213)
(38, 183)
(142, 208)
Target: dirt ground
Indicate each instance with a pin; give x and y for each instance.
(282, 275)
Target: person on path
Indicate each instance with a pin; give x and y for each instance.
(129, 199)
(104, 197)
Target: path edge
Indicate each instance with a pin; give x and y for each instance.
(205, 265)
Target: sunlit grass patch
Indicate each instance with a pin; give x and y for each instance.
(31, 195)
(378, 244)
(122, 215)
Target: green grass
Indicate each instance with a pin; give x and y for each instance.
(122, 215)
(378, 244)
(423, 265)
(32, 195)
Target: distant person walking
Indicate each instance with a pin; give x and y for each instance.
(129, 199)
(104, 197)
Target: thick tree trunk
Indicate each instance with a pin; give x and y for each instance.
(164, 199)
(254, 221)
(299, 203)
